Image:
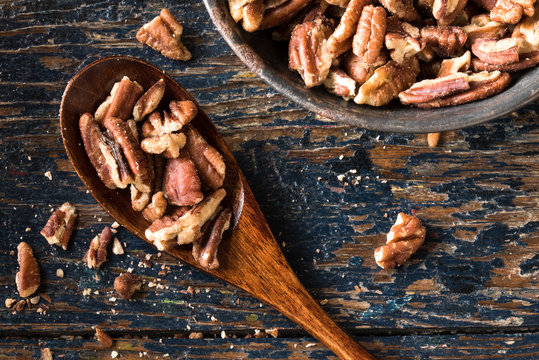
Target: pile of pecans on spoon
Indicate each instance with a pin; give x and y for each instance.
(427, 53)
(175, 177)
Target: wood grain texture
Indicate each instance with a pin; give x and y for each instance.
(477, 193)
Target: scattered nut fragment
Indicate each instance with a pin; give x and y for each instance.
(149, 100)
(403, 239)
(46, 354)
(250, 11)
(10, 302)
(196, 335)
(59, 273)
(103, 338)
(97, 253)
(432, 139)
(163, 34)
(20, 305)
(126, 284)
(28, 278)
(156, 209)
(35, 300)
(117, 248)
(60, 225)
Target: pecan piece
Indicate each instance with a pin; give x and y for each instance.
(402, 39)
(446, 41)
(306, 53)
(164, 231)
(96, 254)
(149, 101)
(455, 65)
(432, 89)
(28, 278)
(208, 255)
(163, 34)
(526, 60)
(209, 163)
(499, 52)
(250, 12)
(387, 82)
(358, 69)
(403, 9)
(339, 83)
(167, 144)
(138, 163)
(446, 11)
(58, 229)
(46, 354)
(281, 14)
(528, 30)
(182, 184)
(126, 284)
(103, 338)
(139, 199)
(123, 100)
(156, 209)
(369, 37)
(511, 11)
(347, 26)
(181, 113)
(481, 27)
(404, 238)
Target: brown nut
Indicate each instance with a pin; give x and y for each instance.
(139, 199)
(103, 338)
(208, 161)
(512, 11)
(97, 252)
(486, 4)
(164, 231)
(525, 61)
(528, 30)
(446, 41)
(405, 238)
(121, 100)
(149, 101)
(46, 354)
(402, 39)
(498, 52)
(138, 163)
(163, 34)
(156, 209)
(28, 278)
(181, 113)
(403, 9)
(347, 26)
(58, 229)
(126, 285)
(339, 83)
(104, 154)
(369, 38)
(387, 82)
(359, 70)
(208, 255)
(446, 11)
(481, 27)
(250, 12)
(307, 54)
(455, 65)
(182, 184)
(102, 109)
(432, 89)
(167, 144)
(281, 14)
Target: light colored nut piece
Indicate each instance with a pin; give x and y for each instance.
(181, 113)
(446, 11)
(208, 161)
(525, 61)
(156, 209)
(117, 248)
(164, 231)
(102, 109)
(103, 338)
(387, 82)
(149, 101)
(481, 27)
(403, 9)
(250, 12)
(432, 139)
(163, 34)
(446, 41)
(182, 184)
(20, 305)
(28, 278)
(359, 70)
(139, 199)
(205, 230)
(59, 273)
(281, 14)
(347, 26)
(126, 285)
(405, 238)
(46, 354)
(167, 144)
(208, 256)
(340, 84)
(402, 39)
(10, 302)
(369, 38)
(455, 65)
(97, 252)
(499, 52)
(60, 225)
(432, 89)
(528, 30)
(512, 11)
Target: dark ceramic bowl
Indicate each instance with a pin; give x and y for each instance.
(269, 60)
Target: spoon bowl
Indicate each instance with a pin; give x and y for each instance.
(249, 256)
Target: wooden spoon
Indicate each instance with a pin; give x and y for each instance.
(249, 256)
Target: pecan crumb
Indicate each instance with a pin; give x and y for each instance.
(126, 284)
(46, 354)
(103, 338)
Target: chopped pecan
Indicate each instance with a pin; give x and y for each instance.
(281, 14)
(28, 278)
(58, 229)
(478, 90)
(102, 109)
(432, 139)
(455, 65)
(163, 34)
(528, 30)
(103, 338)
(149, 101)
(138, 163)
(104, 154)
(446, 41)
(387, 82)
(498, 52)
(97, 252)
(209, 163)
(208, 256)
(181, 113)
(369, 37)
(167, 144)
(526, 60)
(182, 184)
(432, 89)
(347, 26)
(250, 12)
(445, 11)
(339, 83)
(511, 11)
(156, 208)
(205, 230)
(139, 199)
(164, 231)
(359, 70)
(126, 284)
(481, 27)
(306, 53)
(405, 238)
(403, 9)
(402, 39)
(46, 354)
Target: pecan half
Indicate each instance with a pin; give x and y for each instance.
(208, 256)
(167, 144)
(347, 26)
(182, 184)
(28, 278)
(149, 101)
(403, 9)
(359, 70)
(511, 11)
(163, 34)
(432, 89)
(138, 163)
(124, 99)
(156, 209)
(481, 27)
(339, 83)
(103, 338)
(181, 113)
(446, 11)
(58, 229)
(97, 252)
(209, 163)
(526, 60)
(499, 52)
(446, 41)
(281, 14)
(369, 38)
(306, 53)
(405, 238)
(139, 199)
(455, 65)
(250, 12)
(402, 39)
(126, 284)
(387, 82)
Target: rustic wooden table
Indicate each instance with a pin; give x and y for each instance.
(325, 188)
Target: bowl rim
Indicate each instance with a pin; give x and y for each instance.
(405, 120)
